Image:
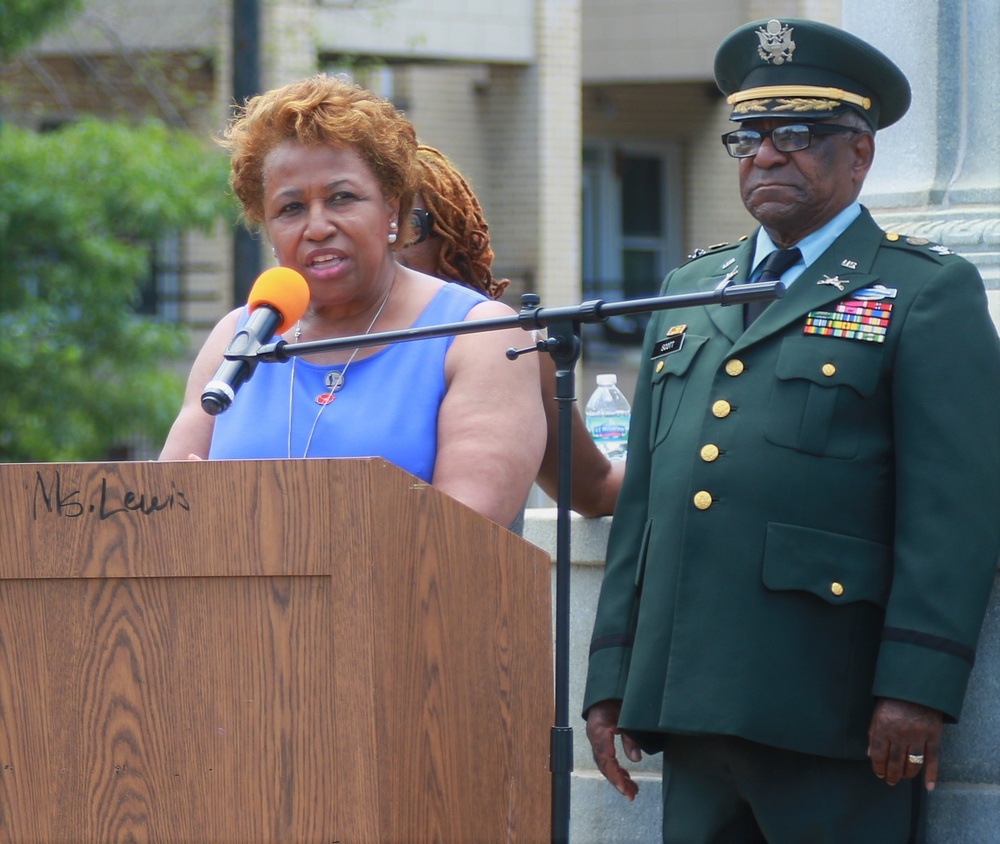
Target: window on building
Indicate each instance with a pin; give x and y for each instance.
(161, 294)
(631, 232)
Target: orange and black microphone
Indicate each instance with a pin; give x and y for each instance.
(277, 300)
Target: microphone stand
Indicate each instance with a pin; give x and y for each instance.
(530, 317)
(563, 343)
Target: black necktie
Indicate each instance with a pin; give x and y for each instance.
(772, 268)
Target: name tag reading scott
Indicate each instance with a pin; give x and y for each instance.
(671, 343)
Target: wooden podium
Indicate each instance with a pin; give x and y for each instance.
(260, 651)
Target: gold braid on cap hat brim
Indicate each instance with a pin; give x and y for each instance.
(786, 93)
(798, 104)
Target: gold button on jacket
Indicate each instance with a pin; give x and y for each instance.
(702, 500)
(721, 409)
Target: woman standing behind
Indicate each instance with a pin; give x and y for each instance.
(451, 241)
(326, 170)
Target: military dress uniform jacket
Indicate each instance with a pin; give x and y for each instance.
(808, 521)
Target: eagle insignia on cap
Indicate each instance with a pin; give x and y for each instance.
(776, 43)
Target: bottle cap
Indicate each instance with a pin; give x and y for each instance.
(607, 379)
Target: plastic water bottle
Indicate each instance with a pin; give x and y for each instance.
(607, 414)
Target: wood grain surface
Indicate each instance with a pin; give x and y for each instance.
(266, 651)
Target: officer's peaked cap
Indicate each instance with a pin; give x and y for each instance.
(798, 68)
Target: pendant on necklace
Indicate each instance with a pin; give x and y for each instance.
(334, 380)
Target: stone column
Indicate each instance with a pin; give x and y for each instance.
(937, 175)
(559, 144)
(288, 41)
(937, 172)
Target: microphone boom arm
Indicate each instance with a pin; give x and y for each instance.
(530, 317)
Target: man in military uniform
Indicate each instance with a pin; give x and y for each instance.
(807, 533)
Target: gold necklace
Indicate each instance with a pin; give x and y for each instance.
(335, 379)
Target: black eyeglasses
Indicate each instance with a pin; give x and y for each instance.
(791, 137)
(421, 222)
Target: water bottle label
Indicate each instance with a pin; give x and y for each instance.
(609, 431)
(610, 434)
(613, 427)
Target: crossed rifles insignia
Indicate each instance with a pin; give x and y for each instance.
(833, 282)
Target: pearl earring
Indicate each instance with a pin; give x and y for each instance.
(392, 233)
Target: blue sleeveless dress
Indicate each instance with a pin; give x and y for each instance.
(387, 407)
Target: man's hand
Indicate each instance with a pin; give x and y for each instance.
(899, 730)
(602, 727)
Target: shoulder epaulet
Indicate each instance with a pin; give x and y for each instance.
(715, 248)
(919, 245)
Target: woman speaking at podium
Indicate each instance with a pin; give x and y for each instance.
(326, 170)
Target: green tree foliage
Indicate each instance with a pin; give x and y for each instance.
(80, 370)
(22, 21)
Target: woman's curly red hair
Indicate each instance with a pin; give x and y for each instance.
(465, 254)
(321, 110)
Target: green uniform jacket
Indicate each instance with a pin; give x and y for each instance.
(807, 522)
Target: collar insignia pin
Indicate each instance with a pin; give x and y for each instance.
(849, 264)
(833, 282)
